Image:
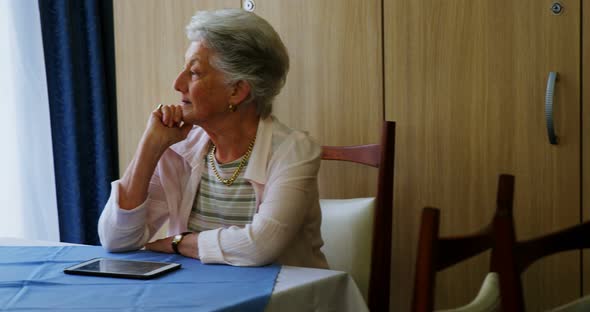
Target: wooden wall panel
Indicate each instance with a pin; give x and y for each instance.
(585, 90)
(150, 42)
(465, 81)
(334, 88)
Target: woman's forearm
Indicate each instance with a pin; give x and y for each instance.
(133, 186)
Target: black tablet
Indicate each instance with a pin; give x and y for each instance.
(122, 268)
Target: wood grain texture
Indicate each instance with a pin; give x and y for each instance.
(465, 81)
(381, 156)
(435, 253)
(585, 90)
(357, 154)
(150, 42)
(334, 86)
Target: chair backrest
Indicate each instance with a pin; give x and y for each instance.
(341, 218)
(514, 257)
(347, 226)
(437, 253)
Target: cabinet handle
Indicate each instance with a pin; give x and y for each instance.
(549, 107)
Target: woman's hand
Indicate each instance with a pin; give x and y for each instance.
(188, 247)
(163, 245)
(165, 126)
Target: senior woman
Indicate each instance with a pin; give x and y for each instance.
(236, 185)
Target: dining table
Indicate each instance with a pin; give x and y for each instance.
(294, 289)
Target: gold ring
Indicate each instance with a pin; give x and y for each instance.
(159, 107)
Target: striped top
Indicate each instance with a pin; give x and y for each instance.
(217, 205)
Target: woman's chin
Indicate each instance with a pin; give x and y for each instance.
(188, 119)
(187, 115)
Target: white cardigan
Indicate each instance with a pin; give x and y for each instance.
(283, 171)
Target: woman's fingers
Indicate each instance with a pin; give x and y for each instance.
(166, 126)
(168, 113)
(178, 115)
(171, 115)
(158, 112)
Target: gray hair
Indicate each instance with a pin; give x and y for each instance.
(245, 47)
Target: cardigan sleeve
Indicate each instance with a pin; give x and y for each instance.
(290, 191)
(124, 230)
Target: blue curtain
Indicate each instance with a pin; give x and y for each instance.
(79, 61)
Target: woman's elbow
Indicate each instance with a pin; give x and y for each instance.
(112, 246)
(115, 244)
(261, 256)
(256, 261)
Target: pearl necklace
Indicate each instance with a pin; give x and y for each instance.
(243, 162)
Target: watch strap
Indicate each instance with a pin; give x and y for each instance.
(176, 241)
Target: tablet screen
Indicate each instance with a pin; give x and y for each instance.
(114, 266)
(122, 268)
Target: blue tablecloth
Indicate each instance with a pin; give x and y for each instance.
(32, 279)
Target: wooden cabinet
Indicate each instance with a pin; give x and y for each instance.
(465, 80)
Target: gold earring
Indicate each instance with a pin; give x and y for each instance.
(232, 108)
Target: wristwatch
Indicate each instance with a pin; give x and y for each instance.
(177, 239)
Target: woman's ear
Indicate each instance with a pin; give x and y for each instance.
(240, 92)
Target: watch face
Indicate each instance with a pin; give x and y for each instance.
(177, 238)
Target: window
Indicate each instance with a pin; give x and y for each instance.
(28, 206)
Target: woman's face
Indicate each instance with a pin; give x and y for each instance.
(205, 96)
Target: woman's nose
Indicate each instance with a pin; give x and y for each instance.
(179, 83)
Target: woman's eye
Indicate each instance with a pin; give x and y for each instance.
(193, 74)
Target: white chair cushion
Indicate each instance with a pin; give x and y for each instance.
(579, 305)
(488, 298)
(347, 229)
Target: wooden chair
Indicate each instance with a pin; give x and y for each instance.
(513, 258)
(437, 253)
(353, 217)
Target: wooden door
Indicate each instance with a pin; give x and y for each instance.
(334, 88)
(465, 80)
(150, 42)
